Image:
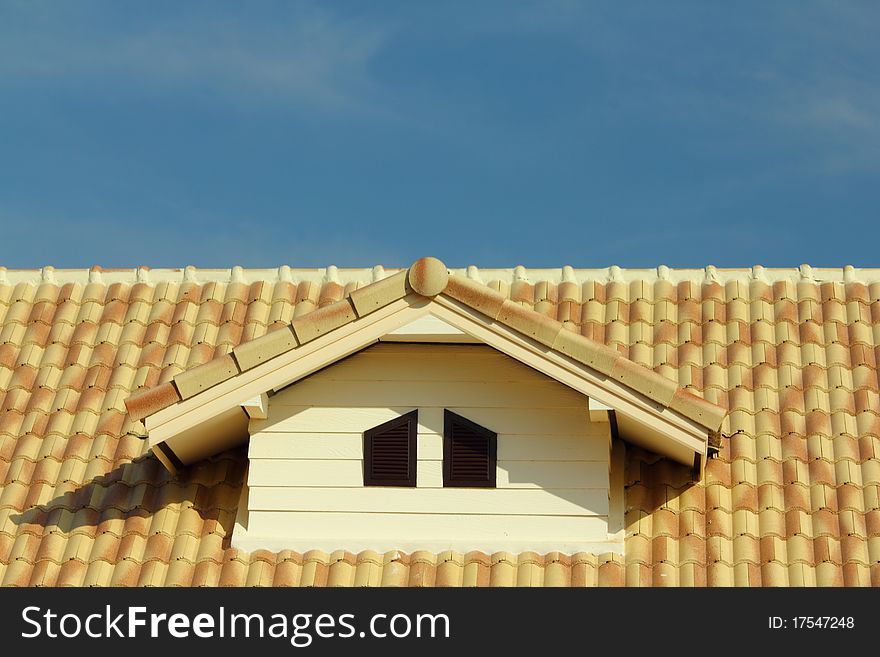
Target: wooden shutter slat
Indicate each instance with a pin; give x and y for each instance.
(390, 452)
(469, 453)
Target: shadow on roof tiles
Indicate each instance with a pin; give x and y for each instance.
(142, 489)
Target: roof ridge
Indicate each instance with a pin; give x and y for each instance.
(428, 277)
(284, 273)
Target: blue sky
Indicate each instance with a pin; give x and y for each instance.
(489, 133)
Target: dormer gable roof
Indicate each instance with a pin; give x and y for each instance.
(671, 420)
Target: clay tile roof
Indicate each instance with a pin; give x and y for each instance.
(793, 497)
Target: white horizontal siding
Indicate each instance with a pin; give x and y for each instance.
(469, 394)
(560, 502)
(349, 473)
(306, 471)
(431, 527)
(513, 447)
(537, 421)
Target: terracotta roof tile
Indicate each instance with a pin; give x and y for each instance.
(485, 300)
(194, 381)
(274, 343)
(372, 297)
(791, 499)
(428, 276)
(323, 320)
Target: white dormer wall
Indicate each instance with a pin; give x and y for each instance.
(305, 480)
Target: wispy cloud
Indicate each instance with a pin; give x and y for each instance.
(804, 73)
(307, 55)
(137, 238)
(840, 111)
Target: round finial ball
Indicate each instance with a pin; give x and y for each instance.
(428, 277)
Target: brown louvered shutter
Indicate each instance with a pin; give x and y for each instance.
(469, 453)
(390, 452)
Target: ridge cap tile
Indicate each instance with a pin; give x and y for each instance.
(143, 403)
(323, 320)
(259, 350)
(380, 293)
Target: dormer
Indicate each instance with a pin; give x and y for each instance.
(405, 354)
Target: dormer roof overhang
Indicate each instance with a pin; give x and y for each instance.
(205, 410)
